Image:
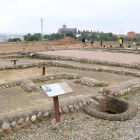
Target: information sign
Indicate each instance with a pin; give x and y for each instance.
(57, 89)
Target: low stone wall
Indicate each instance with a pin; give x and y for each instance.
(24, 66)
(21, 118)
(94, 69)
(122, 88)
(90, 82)
(28, 84)
(84, 60)
(114, 50)
(20, 52)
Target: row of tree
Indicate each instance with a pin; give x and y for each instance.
(88, 32)
(131, 39)
(54, 36)
(96, 36)
(59, 36)
(37, 36)
(14, 40)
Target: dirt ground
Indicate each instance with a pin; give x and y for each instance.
(41, 45)
(14, 98)
(95, 55)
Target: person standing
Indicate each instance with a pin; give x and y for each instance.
(120, 42)
(86, 41)
(101, 42)
(92, 43)
(83, 42)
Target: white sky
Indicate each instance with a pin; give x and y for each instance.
(23, 16)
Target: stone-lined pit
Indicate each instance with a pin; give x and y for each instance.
(113, 109)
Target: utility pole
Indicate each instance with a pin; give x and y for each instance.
(41, 28)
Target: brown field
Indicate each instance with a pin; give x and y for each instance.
(41, 45)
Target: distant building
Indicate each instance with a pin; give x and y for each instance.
(121, 35)
(137, 35)
(133, 34)
(77, 35)
(130, 34)
(64, 29)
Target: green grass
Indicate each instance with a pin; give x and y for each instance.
(70, 111)
(78, 76)
(126, 98)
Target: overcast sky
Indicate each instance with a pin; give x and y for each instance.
(23, 16)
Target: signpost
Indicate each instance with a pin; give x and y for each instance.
(32, 54)
(43, 69)
(55, 90)
(14, 61)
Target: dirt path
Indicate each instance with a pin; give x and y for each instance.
(105, 56)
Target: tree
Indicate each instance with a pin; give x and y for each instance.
(87, 31)
(14, 40)
(83, 35)
(56, 36)
(26, 36)
(33, 38)
(110, 34)
(38, 35)
(70, 34)
(46, 37)
(92, 37)
(79, 32)
(75, 32)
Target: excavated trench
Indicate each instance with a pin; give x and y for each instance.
(113, 109)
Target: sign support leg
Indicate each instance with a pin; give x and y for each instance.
(57, 118)
(43, 73)
(14, 62)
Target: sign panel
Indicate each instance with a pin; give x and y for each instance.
(57, 89)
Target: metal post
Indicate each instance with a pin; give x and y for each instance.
(43, 72)
(41, 28)
(14, 62)
(56, 108)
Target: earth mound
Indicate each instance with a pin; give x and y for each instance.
(66, 40)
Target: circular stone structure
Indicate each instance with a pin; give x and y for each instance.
(113, 109)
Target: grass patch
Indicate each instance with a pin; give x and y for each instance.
(70, 111)
(15, 129)
(78, 76)
(87, 117)
(126, 98)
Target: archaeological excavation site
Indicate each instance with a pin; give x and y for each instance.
(105, 97)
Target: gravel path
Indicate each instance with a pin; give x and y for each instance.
(79, 126)
(105, 56)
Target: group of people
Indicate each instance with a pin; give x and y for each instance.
(85, 41)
